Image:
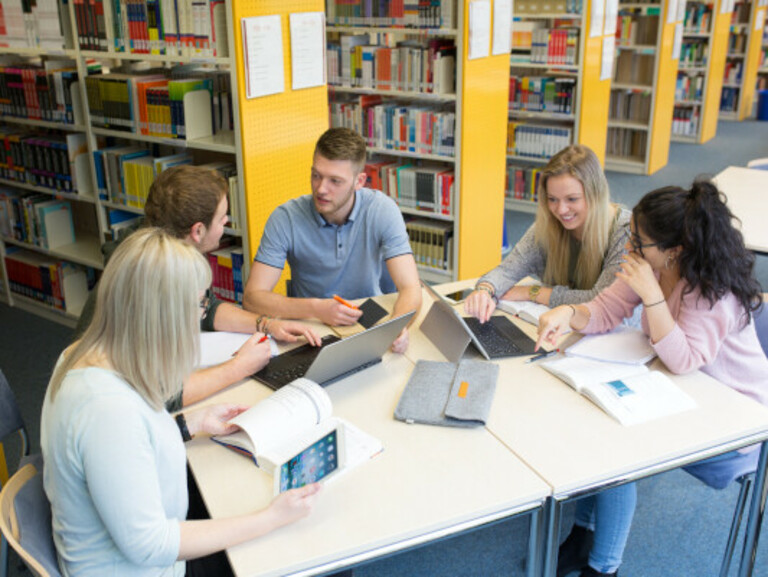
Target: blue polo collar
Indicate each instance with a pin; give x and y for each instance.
(321, 222)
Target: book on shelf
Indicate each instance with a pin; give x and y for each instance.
(58, 284)
(121, 222)
(634, 68)
(522, 182)
(627, 142)
(631, 394)
(697, 17)
(36, 219)
(40, 24)
(431, 242)
(291, 419)
(685, 120)
(537, 140)
(542, 94)
(398, 126)
(630, 104)
(38, 91)
(396, 13)
(227, 271)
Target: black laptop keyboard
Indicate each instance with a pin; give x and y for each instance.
(291, 365)
(496, 344)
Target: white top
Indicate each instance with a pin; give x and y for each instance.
(115, 474)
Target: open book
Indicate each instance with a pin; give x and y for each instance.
(629, 393)
(290, 420)
(622, 345)
(526, 310)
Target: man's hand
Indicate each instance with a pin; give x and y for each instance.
(335, 314)
(401, 342)
(290, 331)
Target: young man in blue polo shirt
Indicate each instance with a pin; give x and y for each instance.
(343, 240)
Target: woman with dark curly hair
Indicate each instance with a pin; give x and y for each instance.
(690, 270)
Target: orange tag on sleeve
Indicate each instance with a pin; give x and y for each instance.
(463, 389)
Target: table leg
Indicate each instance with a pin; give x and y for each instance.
(535, 543)
(553, 513)
(756, 513)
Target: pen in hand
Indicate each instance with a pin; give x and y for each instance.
(346, 303)
(261, 340)
(544, 355)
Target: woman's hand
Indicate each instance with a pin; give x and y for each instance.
(638, 274)
(293, 505)
(214, 419)
(553, 324)
(480, 305)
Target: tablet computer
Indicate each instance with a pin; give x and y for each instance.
(316, 458)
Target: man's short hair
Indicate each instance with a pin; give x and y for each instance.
(184, 195)
(342, 144)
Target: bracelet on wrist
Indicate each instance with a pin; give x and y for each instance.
(265, 328)
(654, 304)
(182, 424)
(573, 311)
(489, 290)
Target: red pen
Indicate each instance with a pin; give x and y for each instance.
(338, 299)
(262, 339)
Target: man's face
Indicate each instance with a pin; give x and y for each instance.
(212, 236)
(334, 183)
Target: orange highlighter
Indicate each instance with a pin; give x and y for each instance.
(338, 299)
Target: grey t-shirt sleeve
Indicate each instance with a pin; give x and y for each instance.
(562, 295)
(393, 235)
(526, 259)
(276, 240)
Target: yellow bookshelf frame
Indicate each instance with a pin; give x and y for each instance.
(718, 49)
(751, 60)
(277, 132)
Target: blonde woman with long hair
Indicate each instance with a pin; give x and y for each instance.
(574, 247)
(115, 466)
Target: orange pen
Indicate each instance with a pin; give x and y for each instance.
(338, 299)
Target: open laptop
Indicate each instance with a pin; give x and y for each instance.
(452, 333)
(335, 358)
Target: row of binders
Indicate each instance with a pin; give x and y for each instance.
(396, 13)
(34, 24)
(685, 120)
(38, 91)
(431, 242)
(689, 87)
(61, 285)
(397, 126)
(427, 188)
(693, 54)
(626, 143)
(537, 141)
(542, 94)
(189, 28)
(697, 17)
(411, 66)
(36, 219)
(49, 161)
(227, 272)
(186, 104)
(632, 105)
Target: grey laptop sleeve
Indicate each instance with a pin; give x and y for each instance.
(449, 394)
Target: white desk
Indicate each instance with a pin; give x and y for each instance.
(428, 483)
(747, 192)
(578, 449)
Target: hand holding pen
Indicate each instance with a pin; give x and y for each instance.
(339, 312)
(542, 356)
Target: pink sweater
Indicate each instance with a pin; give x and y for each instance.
(711, 339)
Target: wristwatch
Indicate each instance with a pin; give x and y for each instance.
(533, 292)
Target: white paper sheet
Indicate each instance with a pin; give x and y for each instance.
(502, 27)
(672, 10)
(307, 49)
(596, 18)
(479, 29)
(678, 41)
(609, 49)
(263, 52)
(611, 16)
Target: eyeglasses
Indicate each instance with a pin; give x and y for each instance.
(638, 246)
(204, 303)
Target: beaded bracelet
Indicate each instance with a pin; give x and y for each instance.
(487, 289)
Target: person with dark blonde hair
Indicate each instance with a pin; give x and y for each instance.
(343, 239)
(190, 203)
(115, 464)
(574, 247)
(689, 269)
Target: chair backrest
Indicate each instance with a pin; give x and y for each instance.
(761, 326)
(25, 522)
(10, 422)
(758, 163)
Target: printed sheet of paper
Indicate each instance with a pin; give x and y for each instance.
(479, 29)
(307, 49)
(502, 27)
(609, 49)
(611, 16)
(263, 51)
(678, 41)
(672, 10)
(596, 18)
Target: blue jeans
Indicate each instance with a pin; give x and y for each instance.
(609, 514)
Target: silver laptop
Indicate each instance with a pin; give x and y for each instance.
(336, 358)
(451, 333)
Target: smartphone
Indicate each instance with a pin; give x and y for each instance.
(459, 296)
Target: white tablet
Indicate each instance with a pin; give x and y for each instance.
(318, 457)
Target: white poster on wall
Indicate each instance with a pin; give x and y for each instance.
(263, 56)
(307, 49)
(502, 27)
(479, 29)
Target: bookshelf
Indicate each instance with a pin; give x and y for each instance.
(700, 72)
(456, 106)
(762, 70)
(87, 107)
(640, 124)
(556, 96)
(742, 61)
